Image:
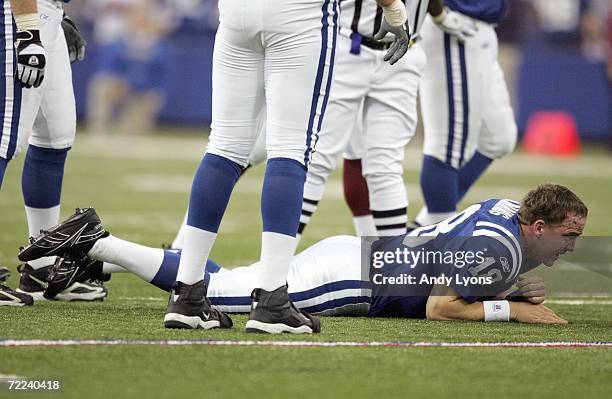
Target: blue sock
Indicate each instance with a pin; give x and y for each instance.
(166, 275)
(3, 165)
(439, 183)
(471, 171)
(212, 187)
(41, 180)
(281, 198)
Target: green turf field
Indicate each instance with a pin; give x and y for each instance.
(140, 188)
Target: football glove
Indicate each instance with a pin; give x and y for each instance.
(75, 41)
(394, 22)
(456, 24)
(31, 59)
(401, 42)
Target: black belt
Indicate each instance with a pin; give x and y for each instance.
(375, 44)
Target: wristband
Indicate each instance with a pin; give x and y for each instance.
(438, 19)
(26, 22)
(395, 14)
(496, 310)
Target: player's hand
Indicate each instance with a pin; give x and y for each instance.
(456, 24)
(31, 58)
(532, 288)
(400, 44)
(525, 312)
(75, 41)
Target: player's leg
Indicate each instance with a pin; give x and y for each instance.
(295, 34)
(257, 156)
(238, 98)
(11, 92)
(354, 184)
(389, 124)
(156, 266)
(456, 72)
(498, 135)
(326, 279)
(49, 119)
(343, 112)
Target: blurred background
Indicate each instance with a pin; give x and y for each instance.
(149, 63)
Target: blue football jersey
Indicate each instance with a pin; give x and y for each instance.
(489, 231)
(491, 11)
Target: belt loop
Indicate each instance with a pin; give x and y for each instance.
(355, 43)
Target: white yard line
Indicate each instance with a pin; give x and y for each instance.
(577, 302)
(310, 344)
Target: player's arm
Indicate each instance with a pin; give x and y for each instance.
(394, 22)
(445, 303)
(31, 58)
(450, 21)
(24, 7)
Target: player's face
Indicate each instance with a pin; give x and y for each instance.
(557, 239)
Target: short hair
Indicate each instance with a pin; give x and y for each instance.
(551, 203)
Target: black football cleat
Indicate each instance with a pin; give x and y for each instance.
(189, 308)
(75, 236)
(272, 312)
(9, 297)
(76, 280)
(34, 282)
(4, 274)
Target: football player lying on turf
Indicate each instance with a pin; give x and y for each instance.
(327, 278)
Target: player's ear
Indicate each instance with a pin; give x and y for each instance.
(538, 228)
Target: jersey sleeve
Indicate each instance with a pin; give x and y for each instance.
(485, 266)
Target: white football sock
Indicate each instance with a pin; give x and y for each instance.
(41, 219)
(112, 268)
(364, 226)
(276, 253)
(424, 218)
(196, 249)
(140, 260)
(180, 236)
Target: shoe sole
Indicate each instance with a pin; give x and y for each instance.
(68, 297)
(13, 304)
(36, 295)
(175, 320)
(254, 326)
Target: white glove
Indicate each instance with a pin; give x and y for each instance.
(31, 58)
(456, 24)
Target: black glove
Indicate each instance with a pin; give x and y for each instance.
(31, 58)
(74, 39)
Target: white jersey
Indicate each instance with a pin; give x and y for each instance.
(365, 16)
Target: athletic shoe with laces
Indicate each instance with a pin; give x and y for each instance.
(75, 236)
(272, 312)
(9, 297)
(34, 282)
(76, 279)
(188, 307)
